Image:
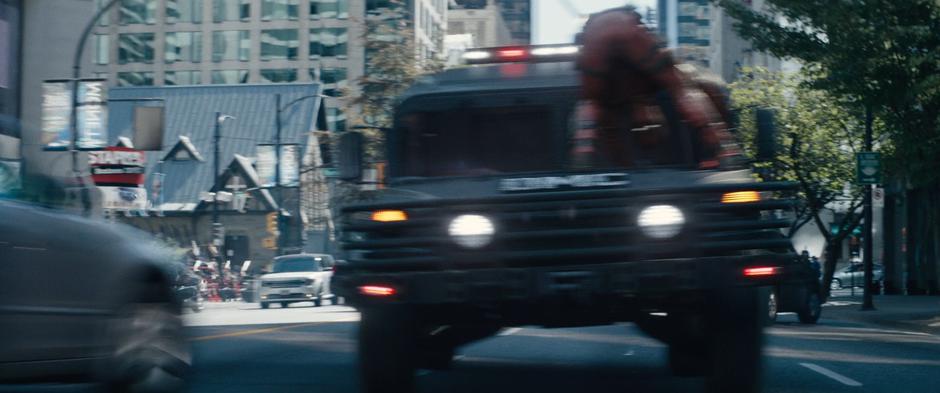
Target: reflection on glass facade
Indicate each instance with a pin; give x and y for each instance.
(281, 44)
(171, 78)
(334, 80)
(183, 46)
(328, 42)
(135, 12)
(279, 76)
(329, 9)
(279, 9)
(231, 10)
(228, 77)
(102, 48)
(135, 78)
(231, 45)
(336, 119)
(135, 48)
(184, 11)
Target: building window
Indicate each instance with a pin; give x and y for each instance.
(183, 46)
(376, 6)
(231, 45)
(135, 78)
(102, 48)
(135, 48)
(281, 44)
(279, 76)
(138, 12)
(328, 42)
(336, 119)
(185, 11)
(172, 78)
(229, 77)
(329, 9)
(334, 80)
(279, 10)
(231, 10)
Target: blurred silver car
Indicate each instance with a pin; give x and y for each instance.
(87, 299)
(853, 275)
(298, 278)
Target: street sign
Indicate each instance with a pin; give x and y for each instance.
(878, 197)
(269, 242)
(868, 169)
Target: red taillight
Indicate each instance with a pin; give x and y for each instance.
(376, 290)
(514, 53)
(760, 271)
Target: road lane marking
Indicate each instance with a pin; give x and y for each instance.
(509, 331)
(253, 331)
(832, 374)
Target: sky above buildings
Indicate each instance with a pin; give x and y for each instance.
(557, 21)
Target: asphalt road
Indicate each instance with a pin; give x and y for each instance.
(315, 352)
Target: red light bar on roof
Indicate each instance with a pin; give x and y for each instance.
(533, 54)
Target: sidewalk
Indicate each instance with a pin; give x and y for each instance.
(917, 313)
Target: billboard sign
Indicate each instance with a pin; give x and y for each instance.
(92, 116)
(56, 115)
(290, 165)
(117, 166)
(123, 198)
(265, 165)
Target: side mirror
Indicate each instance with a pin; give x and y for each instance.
(350, 156)
(766, 135)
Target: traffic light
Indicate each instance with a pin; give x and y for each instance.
(271, 223)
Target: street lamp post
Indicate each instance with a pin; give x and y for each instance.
(281, 228)
(217, 238)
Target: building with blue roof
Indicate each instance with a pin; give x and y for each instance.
(179, 176)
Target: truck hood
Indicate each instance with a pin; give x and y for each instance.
(426, 189)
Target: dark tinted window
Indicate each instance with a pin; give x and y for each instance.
(296, 264)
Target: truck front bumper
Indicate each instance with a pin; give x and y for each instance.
(647, 284)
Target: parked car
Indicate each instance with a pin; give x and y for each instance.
(298, 278)
(84, 299)
(853, 275)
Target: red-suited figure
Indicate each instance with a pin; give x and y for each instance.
(627, 74)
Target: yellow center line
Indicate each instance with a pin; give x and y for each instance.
(253, 331)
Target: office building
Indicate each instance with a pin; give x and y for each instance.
(485, 24)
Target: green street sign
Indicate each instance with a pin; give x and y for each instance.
(330, 172)
(868, 169)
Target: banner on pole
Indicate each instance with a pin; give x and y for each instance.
(56, 115)
(290, 165)
(265, 165)
(92, 116)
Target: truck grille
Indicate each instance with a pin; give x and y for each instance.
(575, 227)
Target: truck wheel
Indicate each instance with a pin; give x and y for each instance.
(284, 304)
(265, 305)
(387, 338)
(735, 337)
(812, 310)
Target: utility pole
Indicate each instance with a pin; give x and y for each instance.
(867, 303)
(281, 230)
(216, 225)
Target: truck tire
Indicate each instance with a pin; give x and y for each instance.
(735, 337)
(811, 310)
(387, 361)
(265, 305)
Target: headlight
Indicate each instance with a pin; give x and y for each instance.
(661, 221)
(471, 230)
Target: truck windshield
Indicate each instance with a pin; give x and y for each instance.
(513, 139)
(478, 141)
(291, 265)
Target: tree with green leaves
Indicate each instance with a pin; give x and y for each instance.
(883, 55)
(820, 135)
